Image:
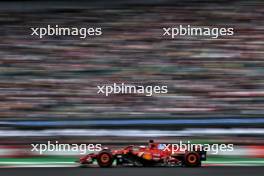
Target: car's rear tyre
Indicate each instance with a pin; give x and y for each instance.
(192, 159)
(105, 158)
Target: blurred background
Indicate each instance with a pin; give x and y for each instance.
(48, 86)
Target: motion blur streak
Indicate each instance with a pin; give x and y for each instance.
(139, 122)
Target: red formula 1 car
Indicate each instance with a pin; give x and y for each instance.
(152, 155)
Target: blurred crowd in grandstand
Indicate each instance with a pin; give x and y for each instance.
(56, 77)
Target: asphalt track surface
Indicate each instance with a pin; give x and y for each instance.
(204, 171)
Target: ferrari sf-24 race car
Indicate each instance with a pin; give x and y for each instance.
(149, 156)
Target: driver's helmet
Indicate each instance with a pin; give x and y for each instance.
(152, 145)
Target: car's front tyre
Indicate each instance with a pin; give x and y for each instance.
(105, 158)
